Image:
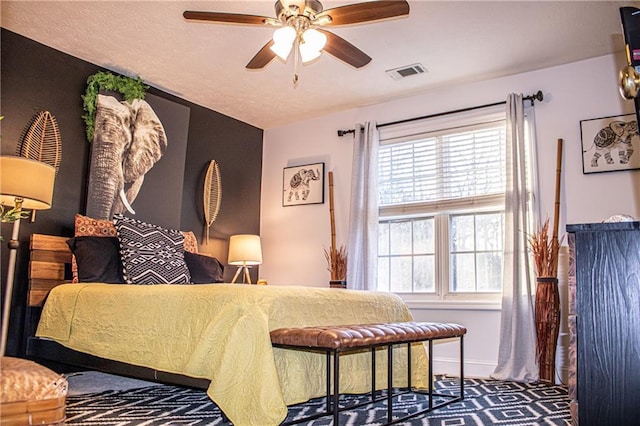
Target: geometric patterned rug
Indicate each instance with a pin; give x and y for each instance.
(487, 402)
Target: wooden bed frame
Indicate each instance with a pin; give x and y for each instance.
(50, 266)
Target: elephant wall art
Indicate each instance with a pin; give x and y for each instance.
(303, 185)
(129, 140)
(609, 143)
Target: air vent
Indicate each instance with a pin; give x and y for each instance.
(406, 71)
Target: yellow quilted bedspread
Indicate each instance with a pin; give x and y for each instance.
(221, 332)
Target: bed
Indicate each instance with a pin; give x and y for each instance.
(214, 334)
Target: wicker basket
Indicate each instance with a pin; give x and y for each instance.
(30, 394)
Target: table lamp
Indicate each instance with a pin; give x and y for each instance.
(245, 251)
(24, 185)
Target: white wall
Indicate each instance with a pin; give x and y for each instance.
(293, 238)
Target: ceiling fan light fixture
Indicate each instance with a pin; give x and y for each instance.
(308, 53)
(282, 50)
(283, 39)
(284, 35)
(314, 39)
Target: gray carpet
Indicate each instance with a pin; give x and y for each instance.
(86, 382)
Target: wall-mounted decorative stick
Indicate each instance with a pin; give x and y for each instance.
(556, 213)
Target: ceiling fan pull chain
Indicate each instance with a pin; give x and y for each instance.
(296, 60)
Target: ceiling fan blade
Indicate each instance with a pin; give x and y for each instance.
(230, 18)
(366, 12)
(262, 58)
(345, 51)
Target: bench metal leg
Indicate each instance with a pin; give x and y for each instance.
(328, 381)
(409, 385)
(373, 374)
(389, 383)
(336, 388)
(430, 374)
(461, 367)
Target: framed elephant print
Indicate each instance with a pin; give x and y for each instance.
(138, 160)
(303, 185)
(610, 144)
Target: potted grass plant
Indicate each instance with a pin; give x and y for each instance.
(337, 266)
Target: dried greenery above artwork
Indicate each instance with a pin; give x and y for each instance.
(128, 87)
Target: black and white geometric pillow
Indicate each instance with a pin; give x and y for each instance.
(151, 254)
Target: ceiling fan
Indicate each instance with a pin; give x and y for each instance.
(300, 23)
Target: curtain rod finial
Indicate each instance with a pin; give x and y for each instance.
(539, 95)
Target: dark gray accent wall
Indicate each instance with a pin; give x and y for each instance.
(35, 77)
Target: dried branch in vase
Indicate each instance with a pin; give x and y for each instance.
(337, 262)
(544, 250)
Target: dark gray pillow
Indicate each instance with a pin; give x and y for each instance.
(98, 259)
(151, 254)
(204, 269)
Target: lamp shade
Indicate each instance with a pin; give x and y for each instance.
(28, 179)
(245, 249)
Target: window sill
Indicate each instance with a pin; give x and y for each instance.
(468, 305)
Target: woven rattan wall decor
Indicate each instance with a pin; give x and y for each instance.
(41, 141)
(212, 196)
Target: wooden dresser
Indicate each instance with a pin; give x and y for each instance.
(604, 323)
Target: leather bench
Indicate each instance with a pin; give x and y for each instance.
(336, 340)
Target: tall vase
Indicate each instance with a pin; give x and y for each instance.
(338, 283)
(547, 321)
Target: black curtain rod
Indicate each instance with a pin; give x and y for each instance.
(537, 97)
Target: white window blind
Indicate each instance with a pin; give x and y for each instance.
(467, 163)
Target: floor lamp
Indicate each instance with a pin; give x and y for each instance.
(244, 251)
(24, 185)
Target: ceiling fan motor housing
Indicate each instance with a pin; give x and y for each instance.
(311, 8)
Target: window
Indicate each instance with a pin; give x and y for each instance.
(441, 194)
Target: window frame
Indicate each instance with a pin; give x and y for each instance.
(441, 210)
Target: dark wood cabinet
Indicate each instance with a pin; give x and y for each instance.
(604, 323)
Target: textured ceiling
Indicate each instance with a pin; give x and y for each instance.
(204, 62)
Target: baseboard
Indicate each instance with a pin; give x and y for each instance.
(472, 368)
(481, 369)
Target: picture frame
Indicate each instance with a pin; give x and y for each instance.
(610, 144)
(303, 185)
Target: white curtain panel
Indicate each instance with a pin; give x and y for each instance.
(362, 249)
(517, 359)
